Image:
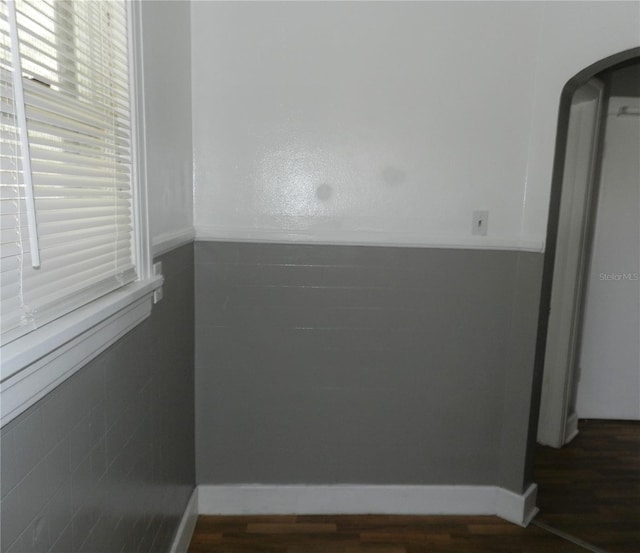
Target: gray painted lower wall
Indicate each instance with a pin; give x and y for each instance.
(363, 365)
(105, 462)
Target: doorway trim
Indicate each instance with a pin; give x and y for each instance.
(576, 222)
(553, 220)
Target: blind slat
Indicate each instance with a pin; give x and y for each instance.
(48, 308)
(45, 99)
(71, 136)
(82, 128)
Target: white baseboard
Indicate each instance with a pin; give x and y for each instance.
(517, 508)
(571, 427)
(187, 524)
(356, 499)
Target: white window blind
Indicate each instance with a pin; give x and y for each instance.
(75, 75)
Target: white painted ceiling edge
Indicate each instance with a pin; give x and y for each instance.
(386, 123)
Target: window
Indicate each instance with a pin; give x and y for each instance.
(70, 238)
(74, 65)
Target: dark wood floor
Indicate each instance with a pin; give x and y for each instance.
(589, 489)
(371, 534)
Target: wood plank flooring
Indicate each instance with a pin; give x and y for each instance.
(370, 534)
(590, 489)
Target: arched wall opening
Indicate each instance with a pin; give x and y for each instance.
(553, 223)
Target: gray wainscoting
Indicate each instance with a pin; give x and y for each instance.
(105, 462)
(373, 365)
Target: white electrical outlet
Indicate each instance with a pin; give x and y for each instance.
(480, 224)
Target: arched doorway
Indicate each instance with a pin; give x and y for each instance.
(571, 224)
(553, 225)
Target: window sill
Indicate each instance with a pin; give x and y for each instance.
(35, 364)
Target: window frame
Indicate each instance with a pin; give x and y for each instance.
(34, 364)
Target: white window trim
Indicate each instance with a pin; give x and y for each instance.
(36, 363)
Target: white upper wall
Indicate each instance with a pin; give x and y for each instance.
(166, 35)
(386, 122)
